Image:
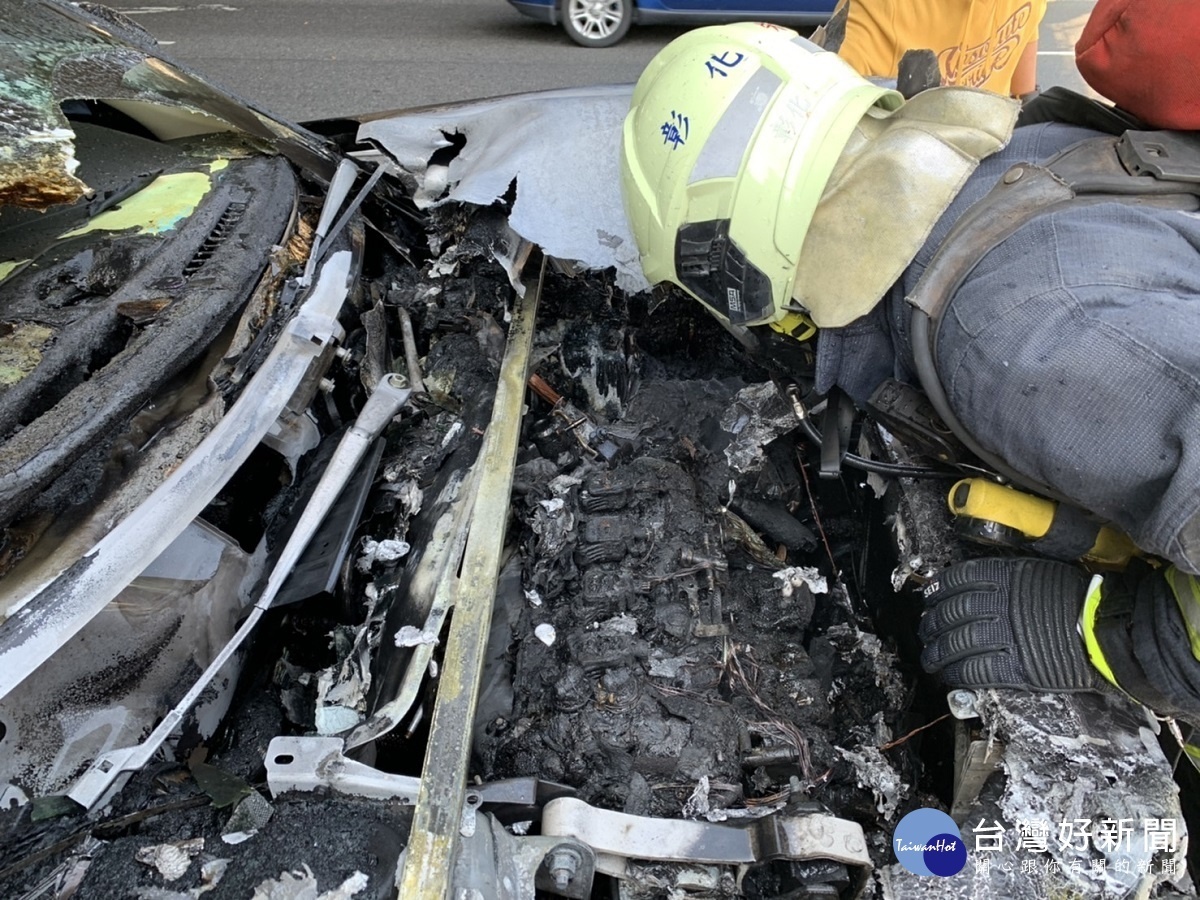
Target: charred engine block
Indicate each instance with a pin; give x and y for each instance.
(671, 655)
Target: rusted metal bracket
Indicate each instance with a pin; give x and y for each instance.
(975, 759)
(497, 865)
(428, 867)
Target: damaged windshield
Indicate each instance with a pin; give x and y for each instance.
(53, 54)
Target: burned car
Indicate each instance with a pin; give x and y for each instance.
(371, 527)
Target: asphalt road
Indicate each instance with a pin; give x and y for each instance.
(316, 58)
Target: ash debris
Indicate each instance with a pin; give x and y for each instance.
(643, 644)
(697, 666)
(651, 539)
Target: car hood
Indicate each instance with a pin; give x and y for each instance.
(540, 146)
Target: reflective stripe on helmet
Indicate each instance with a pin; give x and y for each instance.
(723, 152)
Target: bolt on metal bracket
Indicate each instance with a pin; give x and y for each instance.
(310, 763)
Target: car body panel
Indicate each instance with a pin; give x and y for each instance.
(700, 12)
(543, 12)
(146, 234)
(499, 144)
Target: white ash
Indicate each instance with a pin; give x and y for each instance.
(386, 551)
(411, 636)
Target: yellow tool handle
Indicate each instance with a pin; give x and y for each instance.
(981, 499)
(1030, 515)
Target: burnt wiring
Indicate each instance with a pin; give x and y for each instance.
(853, 460)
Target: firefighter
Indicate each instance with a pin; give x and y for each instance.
(1044, 298)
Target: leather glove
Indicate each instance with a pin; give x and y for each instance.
(1008, 623)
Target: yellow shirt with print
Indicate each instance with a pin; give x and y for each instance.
(978, 43)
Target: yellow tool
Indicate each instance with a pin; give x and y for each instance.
(999, 514)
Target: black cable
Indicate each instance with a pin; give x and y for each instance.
(879, 467)
(854, 461)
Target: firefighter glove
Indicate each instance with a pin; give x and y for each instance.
(1048, 626)
(1008, 623)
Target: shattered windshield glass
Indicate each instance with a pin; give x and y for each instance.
(50, 55)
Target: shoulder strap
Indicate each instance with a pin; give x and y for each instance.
(1159, 168)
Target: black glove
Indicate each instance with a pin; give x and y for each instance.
(1015, 623)
(1008, 623)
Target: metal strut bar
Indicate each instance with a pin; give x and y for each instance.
(616, 837)
(433, 844)
(381, 407)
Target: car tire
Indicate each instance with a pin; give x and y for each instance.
(596, 23)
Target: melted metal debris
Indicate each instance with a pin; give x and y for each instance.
(1077, 767)
(302, 885)
(796, 576)
(385, 552)
(171, 860)
(758, 417)
(878, 776)
(1086, 757)
(505, 139)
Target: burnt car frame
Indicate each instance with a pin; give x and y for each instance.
(369, 524)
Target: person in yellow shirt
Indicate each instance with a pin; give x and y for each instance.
(989, 44)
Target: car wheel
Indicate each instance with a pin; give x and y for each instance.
(597, 23)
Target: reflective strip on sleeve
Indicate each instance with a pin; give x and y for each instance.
(1087, 628)
(1186, 589)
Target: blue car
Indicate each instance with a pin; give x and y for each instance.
(602, 23)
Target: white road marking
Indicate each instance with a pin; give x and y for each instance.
(151, 10)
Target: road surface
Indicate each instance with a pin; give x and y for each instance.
(307, 59)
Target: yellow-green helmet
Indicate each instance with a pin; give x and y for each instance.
(729, 142)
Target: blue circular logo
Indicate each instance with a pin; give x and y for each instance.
(927, 842)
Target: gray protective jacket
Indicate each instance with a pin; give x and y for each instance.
(1072, 351)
